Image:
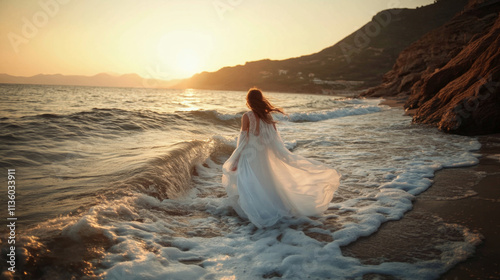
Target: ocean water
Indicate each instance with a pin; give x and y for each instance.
(119, 183)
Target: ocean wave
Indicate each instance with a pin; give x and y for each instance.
(141, 118)
(169, 175)
(359, 108)
(149, 192)
(331, 114)
(107, 123)
(110, 122)
(212, 115)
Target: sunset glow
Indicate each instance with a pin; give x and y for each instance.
(178, 38)
(184, 51)
(187, 62)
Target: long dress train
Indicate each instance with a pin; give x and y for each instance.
(270, 182)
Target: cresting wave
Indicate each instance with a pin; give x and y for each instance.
(134, 200)
(314, 116)
(169, 175)
(333, 114)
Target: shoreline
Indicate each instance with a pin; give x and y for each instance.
(478, 213)
(466, 196)
(398, 103)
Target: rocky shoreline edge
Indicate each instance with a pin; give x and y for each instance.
(468, 197)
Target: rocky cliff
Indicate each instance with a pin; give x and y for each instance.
(451, 74)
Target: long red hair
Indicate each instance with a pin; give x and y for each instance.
(259, 104)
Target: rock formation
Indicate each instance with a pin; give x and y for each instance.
(451, 75)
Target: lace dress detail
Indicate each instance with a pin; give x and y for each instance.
(265, 182)
(254, 124)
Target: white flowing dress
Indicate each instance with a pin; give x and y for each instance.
(270, 182)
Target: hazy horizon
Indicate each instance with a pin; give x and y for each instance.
(171, 40)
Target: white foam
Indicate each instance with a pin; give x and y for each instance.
(249, 253)
(331, 114)
(225, 117)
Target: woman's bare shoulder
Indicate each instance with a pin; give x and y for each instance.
(245, 117)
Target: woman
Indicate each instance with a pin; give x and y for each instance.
(264, 181)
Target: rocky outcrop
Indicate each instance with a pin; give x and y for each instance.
(464, 96)
(451, 75)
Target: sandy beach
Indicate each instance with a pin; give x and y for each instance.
(459, 198)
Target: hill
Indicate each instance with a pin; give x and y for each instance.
(357, 61)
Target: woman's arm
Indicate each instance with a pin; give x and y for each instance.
(245, 126)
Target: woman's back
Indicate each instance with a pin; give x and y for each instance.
(255, 123)
(262, 134)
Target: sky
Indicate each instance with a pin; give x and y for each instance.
(171, 39)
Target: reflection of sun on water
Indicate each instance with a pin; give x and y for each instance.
(188, 92)
(189, 101)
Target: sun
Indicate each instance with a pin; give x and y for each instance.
(183, 53)
(188, 62)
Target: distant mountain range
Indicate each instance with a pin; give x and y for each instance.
(102, 79)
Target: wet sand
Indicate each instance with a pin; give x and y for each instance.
(468, 197)
(480, 212)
